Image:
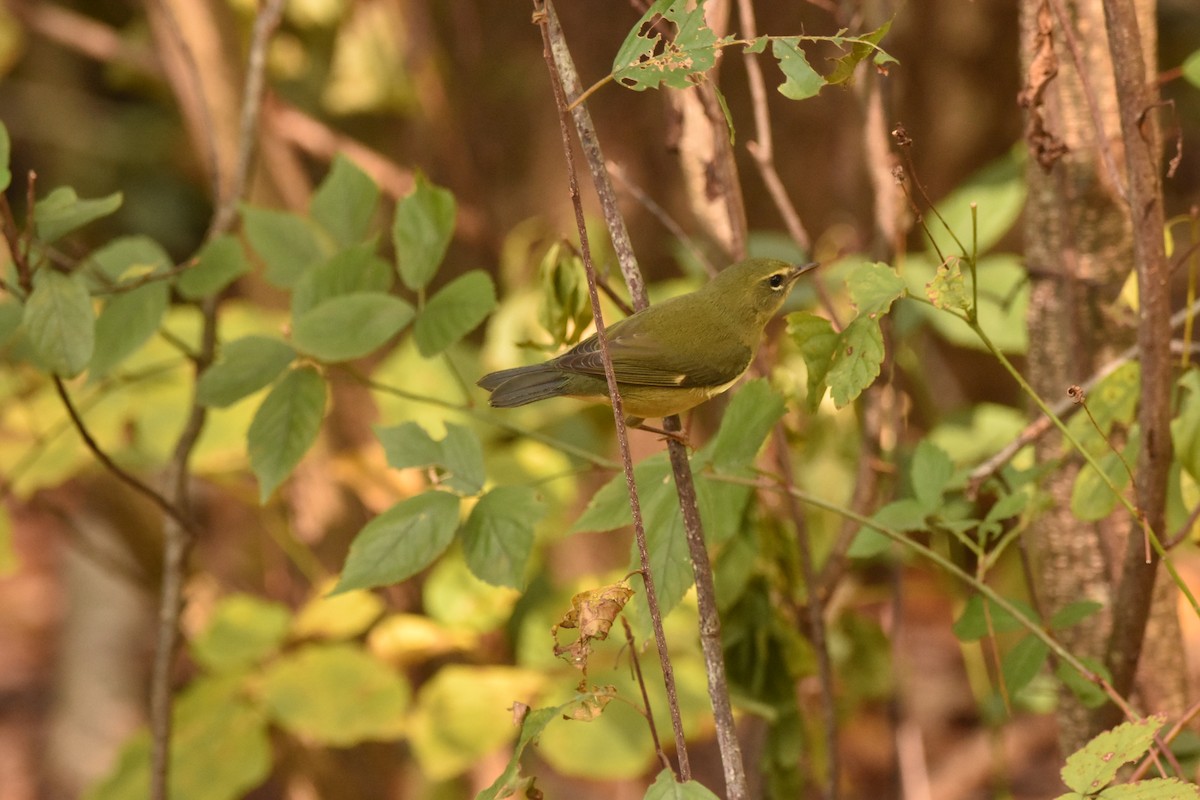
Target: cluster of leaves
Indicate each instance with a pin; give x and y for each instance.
(648, 59)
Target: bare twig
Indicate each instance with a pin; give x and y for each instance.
(1139, 130)
(659, 213)
(648, 712)
(543, 16)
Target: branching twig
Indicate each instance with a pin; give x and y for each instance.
(542, 16)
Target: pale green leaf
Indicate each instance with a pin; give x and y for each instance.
(1003, 302)
(1153, 789)
(243, 631)
(126, 322)
(286, 243)
(929, 475)
(1092, 496)
(498, 535)
(350, 326)
(8, 554)
(856, 361)
(63, 211)
(1185, 427)
(843, 67)
(339, 616)
(948, 289)
(242, 368)
(874, 287)
(1096, 764)
(452, 313)
(401, 541)
(220, 262)
(1190, 69)
(59, 322)
(335, 694)
(801, 81)
(665, 787)
(647, 59)
(422, 230)
(510, 781)
(219, 748)
(817, 341)
(345, 202)
(285, 427)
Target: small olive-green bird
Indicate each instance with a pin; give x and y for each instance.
(668, 357)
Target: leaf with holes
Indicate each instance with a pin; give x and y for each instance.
(647, 59)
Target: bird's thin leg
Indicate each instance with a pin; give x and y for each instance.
(679, 436)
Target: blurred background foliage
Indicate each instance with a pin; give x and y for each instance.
(457, 90)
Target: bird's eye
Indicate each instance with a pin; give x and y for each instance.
(776, 281)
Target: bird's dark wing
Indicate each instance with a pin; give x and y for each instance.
(640, 360)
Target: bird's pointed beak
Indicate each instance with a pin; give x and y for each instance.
(803, 268)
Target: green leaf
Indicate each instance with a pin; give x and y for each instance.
(1022, 664)
(972, 624)
(350, 326)
(564, 309)
(843, 68)
(401, 541)
(929, 474)
(498, 535)
(665, 787)
(62, 211)
(874, 287)
(459, 453)
(127, 258)
(510, 782)
(647, 59)
(285, 242)
(421, 231)
(817, 341)
(752, 413)
(59, 322)
(126, 322)
(758, 45)
(454, 312)
(1074, 613)
(219, 748)
(464, 714)
(5, 158)
(335, 694)
(609, 507)
(1185, 428)
(1003, 302)
(1191, 69)
(856, 361)
(243, 367)
(948, 289)
(354, 269)
(1153, 789)
(242, 632)
(1095, 765)
(1113, 401)
(801, 81)
(285, 426)
(220, 262)
(345, 202)
(1091, 496)
(1088, 693)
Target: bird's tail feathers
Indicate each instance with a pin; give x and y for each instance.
(521, 385)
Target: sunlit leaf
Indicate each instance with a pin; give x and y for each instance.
(752, 413)
(1096, 764)
(874, 287)
(856, 361)
(817, 341)
(243, 630)
(948, 289)
(285, 427)
(339, 616)
(356, 268)
(801, 81)
(335, 694)
(401, 541)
